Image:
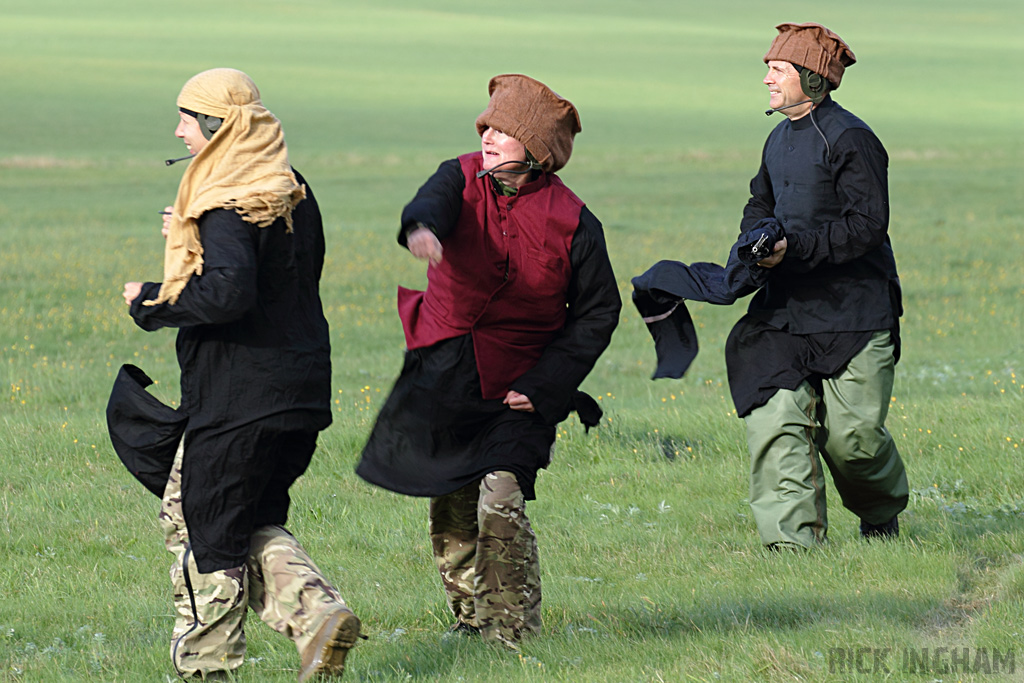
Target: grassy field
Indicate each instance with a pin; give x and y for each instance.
(652, 567)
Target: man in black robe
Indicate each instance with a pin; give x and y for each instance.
(811, 364)
(244, 253)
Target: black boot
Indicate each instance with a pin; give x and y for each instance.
(890, 529)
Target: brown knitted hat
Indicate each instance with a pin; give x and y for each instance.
(813, 47)
(534, 115)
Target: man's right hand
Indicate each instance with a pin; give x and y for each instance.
(424, 245)
(131, 292)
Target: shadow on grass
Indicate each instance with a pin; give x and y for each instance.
(437, 657)
(751, 616)
(426, 657)
(656, 445)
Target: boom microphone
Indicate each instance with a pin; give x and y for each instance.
(174, 161)
(769, 112)
(530, 166)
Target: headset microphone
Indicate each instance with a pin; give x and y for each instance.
(530, 166)
(174, 161)
(814, 85)
(769, 112)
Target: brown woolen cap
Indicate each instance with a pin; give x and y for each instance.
(534, 115)
(813, 47)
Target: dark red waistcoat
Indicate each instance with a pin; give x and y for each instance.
(504, 277)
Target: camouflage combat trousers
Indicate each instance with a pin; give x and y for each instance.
(486, 552)
(280, 582)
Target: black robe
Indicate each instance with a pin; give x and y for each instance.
(254, 351)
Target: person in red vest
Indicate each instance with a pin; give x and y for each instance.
(521, 301)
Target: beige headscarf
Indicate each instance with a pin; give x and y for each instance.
(243, 167)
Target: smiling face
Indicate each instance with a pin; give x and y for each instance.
(783, 81)
(499, 148)
(188, 130)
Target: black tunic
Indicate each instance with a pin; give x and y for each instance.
(831, 196)
(837, 284)
(254, 351)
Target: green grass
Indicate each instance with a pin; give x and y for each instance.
(651, 564)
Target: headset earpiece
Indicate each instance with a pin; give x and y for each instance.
(208, 124)
(814, 85)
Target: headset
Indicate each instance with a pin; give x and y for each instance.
(208, 125)
(531, 165)
(814, 85)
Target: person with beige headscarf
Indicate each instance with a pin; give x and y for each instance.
(811, 364)
(243, 255)
(521, 301)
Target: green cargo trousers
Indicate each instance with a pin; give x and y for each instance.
(486, 552)
(279, 582)
(845, 424)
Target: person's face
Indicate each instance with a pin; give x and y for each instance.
(499, 148)
(783, 81)
(188, 130)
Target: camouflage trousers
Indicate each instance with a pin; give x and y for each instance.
(486, 552)
(279, 582)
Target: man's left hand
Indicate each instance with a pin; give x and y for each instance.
(778, 251)
(517, 401)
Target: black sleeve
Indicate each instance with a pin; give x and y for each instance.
(593, 313)
(762, 198)
(227, 287)
(437, 203)
(860, 166)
